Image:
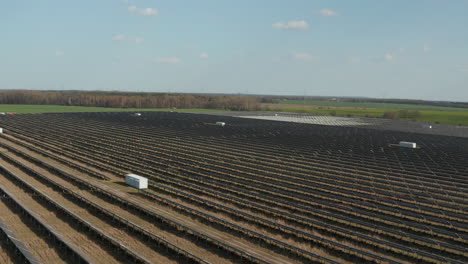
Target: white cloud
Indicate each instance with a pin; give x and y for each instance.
(426, 48)
(59, 53)
(170, 60)
(203, 55)
(292, 25)
(143, 11)
(303, 56)
(139, 40)
(119, 37)
(149, 11)
(389, 57)
(328, 12)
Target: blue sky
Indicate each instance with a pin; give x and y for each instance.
(386, 49)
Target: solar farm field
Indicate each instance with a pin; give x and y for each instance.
(252, 191)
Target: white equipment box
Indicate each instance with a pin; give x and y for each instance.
(136, 181)
(405, 144)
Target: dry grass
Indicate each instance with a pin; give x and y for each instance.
(124, 238)
(38, 246)
(80, 240)
(114, 232)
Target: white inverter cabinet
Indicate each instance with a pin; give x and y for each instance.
(136, 181)
(405, 144)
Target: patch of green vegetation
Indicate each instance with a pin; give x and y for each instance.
(444, 117)
(35, 109)
(441, 117)
(391, 106)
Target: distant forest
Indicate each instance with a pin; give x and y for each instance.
(129, 100)
(116, 99)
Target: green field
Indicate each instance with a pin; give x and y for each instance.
(442, 117)
(35, 109)
(372, 105)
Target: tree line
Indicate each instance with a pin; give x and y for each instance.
(129, 100)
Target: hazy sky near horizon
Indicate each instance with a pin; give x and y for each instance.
(387, 49)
